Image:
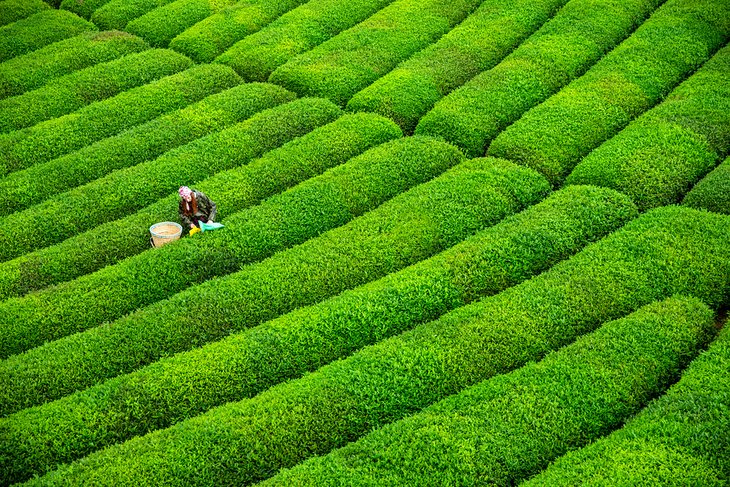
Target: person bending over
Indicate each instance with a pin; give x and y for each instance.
(195, 207)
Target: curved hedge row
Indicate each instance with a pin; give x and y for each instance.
(60, 136)
(128, 190)
(713, 191)
(309, 338)
(404, 230)
(350, 61)
(253, 235)
(39, 30)
(554, 136)
(210, 37)
(113, 241)
(12, 10)
(25, 387)
(35, 69)
(608, 279)
(565, 47)
(258, 55)
(410, 90)
(160, 26)
(84, 8)
(430, 217)
(142, 143)
(679, 439)
(618, 274)
(622, 272)
(76, 90)
(661, 154)
(116, 14)
(510, 427)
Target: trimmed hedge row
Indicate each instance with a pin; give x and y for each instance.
(130, 235)
(142, 143)
(505, 429)
(618, 274)
(679, 439)
(350, 61)
(83, 8)
(161, 25)
(430, 217)
(299, 30)
(25, 388)
(713, 191)
(57, 137)
(624, 271)
(76, 90)
(564, 48)
(309, 338)
(660, 155)
(12, 10)
(554, 136)
(111, 242)
(408, 228)
(410, 90)
(210, 37)
(39, 30)
(128, 190)
(35, 69)
(116, 14)
(253, 235)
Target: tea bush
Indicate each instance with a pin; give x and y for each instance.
(39, 30)
(35, 69)
(660, 155)
(128, 190)
(12, 10)
(190, 383)
(256, 56)
(554, 136)
(713, 191)
(161, 25)
(144, 142)
(350, 61)
(410, 90)
(678, 439)
(59, 136)
(564, 48)
(508, 428)
(76, 90)
(212, 36)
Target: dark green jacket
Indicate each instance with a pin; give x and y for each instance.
(206, 209)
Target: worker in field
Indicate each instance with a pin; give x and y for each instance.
(197, 211)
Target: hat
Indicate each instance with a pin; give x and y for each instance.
(185, 192)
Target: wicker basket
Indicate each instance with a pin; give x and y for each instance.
(165, 232)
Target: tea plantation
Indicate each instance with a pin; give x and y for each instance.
(466, 242)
